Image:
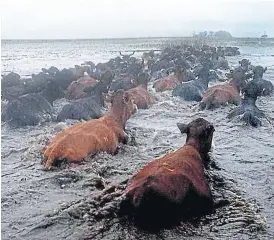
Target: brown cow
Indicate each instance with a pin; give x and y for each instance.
(76, 88)
(175, 183)
(170, 82)
(97, 135)
(224, 93)
(139, 94)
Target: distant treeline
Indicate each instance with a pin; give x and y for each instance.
(211, 34)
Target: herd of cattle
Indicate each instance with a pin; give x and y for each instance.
(176, 182)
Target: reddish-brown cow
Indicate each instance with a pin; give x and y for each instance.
(176, 182)
(224, 93)
(139, 94)
(170, 82)
(98, 135)
(76, 88)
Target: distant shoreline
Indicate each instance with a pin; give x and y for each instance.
(107, 39)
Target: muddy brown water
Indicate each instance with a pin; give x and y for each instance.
(75, 202)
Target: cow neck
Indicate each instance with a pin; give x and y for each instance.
(117, 113)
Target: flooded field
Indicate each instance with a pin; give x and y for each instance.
(77, 202)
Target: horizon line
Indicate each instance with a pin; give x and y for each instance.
(116, 38)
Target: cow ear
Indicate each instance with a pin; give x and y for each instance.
(265, 69)
(183, 127)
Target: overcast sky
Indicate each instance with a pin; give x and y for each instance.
(62, 19)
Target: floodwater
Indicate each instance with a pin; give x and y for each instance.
(71, 203)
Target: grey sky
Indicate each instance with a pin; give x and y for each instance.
(59, 19)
